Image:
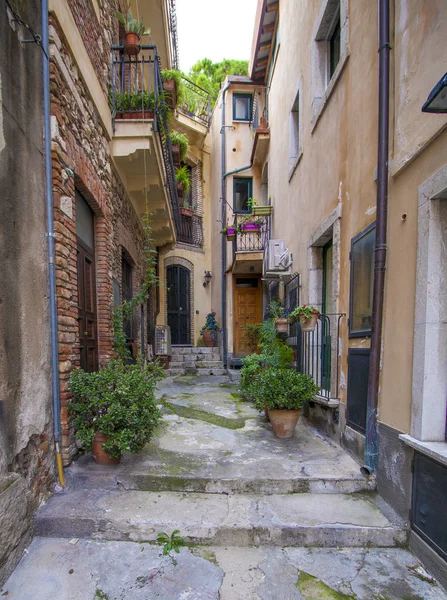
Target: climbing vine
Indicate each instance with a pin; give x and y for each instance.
(125, 309)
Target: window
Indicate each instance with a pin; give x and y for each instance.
(295, 146)
(362, 279)
(242, 192)
(242, 107)
(334, 46)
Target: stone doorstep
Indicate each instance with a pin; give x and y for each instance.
(311, 520)
(193, 350)
(204, 364)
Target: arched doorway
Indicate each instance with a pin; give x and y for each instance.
(178, 281)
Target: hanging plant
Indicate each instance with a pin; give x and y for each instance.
(134, 31)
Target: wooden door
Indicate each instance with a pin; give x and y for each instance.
(88, 343)
(179, 310)
(247, 310)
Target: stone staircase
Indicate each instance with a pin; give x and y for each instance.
(195, 361)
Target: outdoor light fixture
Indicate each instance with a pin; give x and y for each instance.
(437, 99)
(207, 277)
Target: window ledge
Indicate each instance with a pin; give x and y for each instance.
(329, 402)
(330, 88)
(435, 450)
(294, 165)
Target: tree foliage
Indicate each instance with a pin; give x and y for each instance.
(210, 76)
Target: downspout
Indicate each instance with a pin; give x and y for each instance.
(380, 246)
(50, 236)
(224, 239)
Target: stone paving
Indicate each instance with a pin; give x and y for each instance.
(263, 519)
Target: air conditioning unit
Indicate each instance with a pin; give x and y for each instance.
(163, 340)
(277, 260)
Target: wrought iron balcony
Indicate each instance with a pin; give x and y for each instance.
(250, 240)
(196, 102)
(191, 230)
(317, 354)
(136, 93)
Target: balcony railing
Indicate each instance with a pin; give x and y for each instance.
(174, 35)
(191, 230)
(258, 120)
(250, 241)
(317, 353)
(196, 102)
(137, 89)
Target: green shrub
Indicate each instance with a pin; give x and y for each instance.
(173, 74)
(182, 141)
(252, 366)
(253, 335)
(183, 176)
(282, 389)
(119, 402)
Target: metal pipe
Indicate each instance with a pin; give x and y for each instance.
(381, 224)
(50, 237)
(224, 240)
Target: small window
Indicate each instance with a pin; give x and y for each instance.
(334, 46)
(242, 107)
(362, 280)
(242, 192)
(294, 133)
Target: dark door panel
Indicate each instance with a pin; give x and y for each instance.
(88, 343)
(358, 370)
(179, 309)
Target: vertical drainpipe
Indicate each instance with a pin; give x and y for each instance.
(380, 247)
(50, 236)
(224, 239)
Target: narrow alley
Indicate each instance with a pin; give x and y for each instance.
(215, 472)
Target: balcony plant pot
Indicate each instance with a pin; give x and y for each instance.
(186, 212)
(210, 338)
(100, 456)
(247, 227)
(282, 325)
(132, 43)
(309, 324)
(231, 233)
(180, 190)
(262, 211)
(170, 90)
(284, 422)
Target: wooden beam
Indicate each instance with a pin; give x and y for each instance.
(264, 46)
(269, 28)
(262, 62)
(271, 7)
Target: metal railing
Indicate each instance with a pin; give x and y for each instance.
(137, 87)
(258, 120)
(191, 230)
(317, 353)
(174, 36)
(196, 102)
(250, 241)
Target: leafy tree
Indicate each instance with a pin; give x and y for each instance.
(211, 75)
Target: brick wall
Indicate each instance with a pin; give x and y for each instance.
(80, 154)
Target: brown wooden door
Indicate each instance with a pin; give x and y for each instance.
(88, 341)
(247, 310)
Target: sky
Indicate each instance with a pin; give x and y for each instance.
(214, 29)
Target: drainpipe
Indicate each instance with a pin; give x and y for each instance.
(50, 236)
(380, 248)
(224, 239)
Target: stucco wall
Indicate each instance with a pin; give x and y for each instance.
(26, 457)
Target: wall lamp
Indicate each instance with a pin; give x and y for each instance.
(437, 99)
(207, 277)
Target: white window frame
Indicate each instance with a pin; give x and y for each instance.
(296, 129)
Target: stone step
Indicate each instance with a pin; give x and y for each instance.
(311, 520)
(200, 364)
(176, 350)
(213, 371)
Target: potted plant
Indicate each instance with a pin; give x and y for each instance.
(134, 31)
(115, 409)
(307, 316)
(138, 105)
(276, 311)
(209, 330)
(187, 209)
(259, 211)
(172, 85)
(183, 177)
(248, 224)
(283, 391)
(229, 231)
(180, 147)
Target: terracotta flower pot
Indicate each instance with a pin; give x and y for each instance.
(309, 324)
(266, 411)
(170, 91)
(284, 422)
(210, 338)
(132, 44)
(100, 456)
(176, 154)
(187, 212)
(282, 325)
